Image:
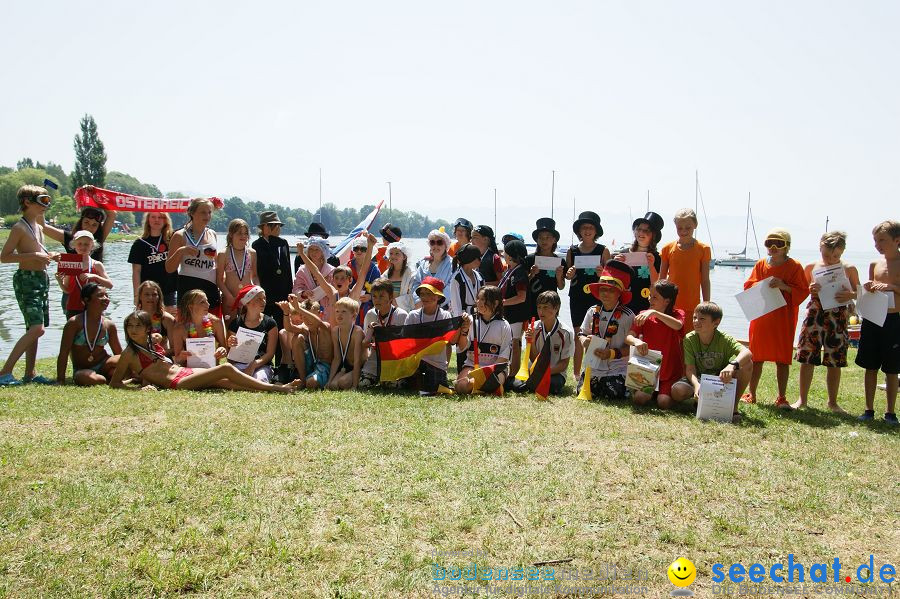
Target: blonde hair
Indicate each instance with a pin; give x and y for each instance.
(891, 227)
(196, 203)
(235, 226)
(29, 192)
(834, 240)
(185, 301)
(687, 213)
(166, 232)
(158, 308)
(349, 303)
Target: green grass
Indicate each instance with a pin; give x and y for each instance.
(124, 493)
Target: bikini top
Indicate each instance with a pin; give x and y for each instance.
(80, 339)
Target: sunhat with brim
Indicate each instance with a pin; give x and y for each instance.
(545, 224)
(587, 217)
(615, 275)
(434, 285)
(400, 247)
(269, 217)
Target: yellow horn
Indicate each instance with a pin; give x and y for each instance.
(523, 364)
(585, 393)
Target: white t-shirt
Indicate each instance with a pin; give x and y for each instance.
(494, 342)
(438, 360)
(464, 292)
(395, 317)
(610, 367)
(562, 341)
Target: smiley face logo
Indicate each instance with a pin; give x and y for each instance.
(682, 572)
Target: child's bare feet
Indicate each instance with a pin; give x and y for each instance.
(798, 404)
(838, 409)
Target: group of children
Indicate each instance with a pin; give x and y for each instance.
(318, 318)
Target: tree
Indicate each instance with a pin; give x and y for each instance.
(90, 157)
(25, 163)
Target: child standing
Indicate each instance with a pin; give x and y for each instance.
(772, 335)
(83, 243)
(249, 306)
(400, 275)
(464, 287)
(192, 252)
(31, 284)
(546, 237)
(462, 231)
(611, 320)
(148, 258)
(685, 262)
(588, 230)
(382, 314)
(236, 266)
(661, 328)
(493, 336)
(347, 337)
(881, 348)
(491, 267)
(339, 286)
(647, 233)
(825, 330)
(550, 330)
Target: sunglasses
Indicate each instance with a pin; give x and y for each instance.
(43, 200)
(359, 249)
(435, 242)
(775, 243)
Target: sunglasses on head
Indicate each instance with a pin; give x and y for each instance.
(435, 242)
(775, 243)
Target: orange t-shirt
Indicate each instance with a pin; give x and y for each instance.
(772, 335)
(685, 268)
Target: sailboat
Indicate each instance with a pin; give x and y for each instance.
(698, 197)
(740, 259)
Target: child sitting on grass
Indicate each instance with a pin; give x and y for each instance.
(85, 337)
(490, 333)
(346, 337)
(549, 329)
(661, 328)
(248, 306)
(382, 314)
(312, 349)
(196, 322)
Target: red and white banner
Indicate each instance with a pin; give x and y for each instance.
(96, 197)
(71, 264)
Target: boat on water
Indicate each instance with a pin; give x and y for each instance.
(740, 259)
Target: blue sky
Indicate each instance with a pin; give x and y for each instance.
(794, 102)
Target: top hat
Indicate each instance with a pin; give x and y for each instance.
(588, 217)
(545, 224)
(391, 232)
(654, 221)
(317, 229)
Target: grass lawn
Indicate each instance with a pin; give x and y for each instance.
(122, 493)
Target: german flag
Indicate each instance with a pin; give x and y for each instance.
(400, 348)
(486, 380)
(539, 378)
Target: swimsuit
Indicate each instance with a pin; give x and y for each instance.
(185, 371)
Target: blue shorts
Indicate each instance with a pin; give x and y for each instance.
(316, 368)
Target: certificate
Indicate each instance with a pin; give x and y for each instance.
(587, 262)
(248, 343)
(832, 279)
(548, 262)
(873, 306)
(760, 299)
(597, 342)
(317, 294)
(716, 399)
(203, 352)
(636, 258)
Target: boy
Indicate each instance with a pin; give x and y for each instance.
(31, 284)
(383, 314)
(707, 350)
(879, 347)
(685, 262)
(433, 367)
(825, 331)
(610, 319)
(312, 349)
(346, 337)
(549, 329)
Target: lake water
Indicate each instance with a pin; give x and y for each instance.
(725, 282)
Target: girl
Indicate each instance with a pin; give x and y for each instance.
(661, 327)
(236, 266)
(318, 252)
(153, 368)
(86, 337)
(588, 230)
(546, 237)
(685, 262)
(491, 333)
(83, 242)
(491, 267)
(162, 323)
(437, 264)
(400, 275)
(464, 287)
(389, 234)
(96, 221)
(772, 335)
(647, 233)
(192, 253)
(462, 230)
(514, 291)
(148, 258)
(195, 321)
(250, 303)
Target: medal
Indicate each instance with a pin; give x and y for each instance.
(190, 238)
(90, 358)
(33, 234)
(87, 339)
(278, 272)
(244, 263)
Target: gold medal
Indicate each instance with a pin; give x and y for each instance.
(90, 358)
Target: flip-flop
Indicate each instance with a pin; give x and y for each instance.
(8, 380)
(40, 380)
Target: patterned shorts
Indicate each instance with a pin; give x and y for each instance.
(607, 387)
(32, 289)
(824, 331)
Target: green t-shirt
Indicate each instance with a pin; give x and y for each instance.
(712, 358)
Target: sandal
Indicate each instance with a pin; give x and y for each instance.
(8, 380)
(782, 403)
(39, 379)
(748, 398)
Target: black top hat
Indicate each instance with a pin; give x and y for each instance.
(545, 224)
(317, 229)
(269, 217)
(391, 232)
(588, 217)
(464, 223)
(654, 221)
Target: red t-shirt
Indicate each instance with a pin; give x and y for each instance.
(659, 336)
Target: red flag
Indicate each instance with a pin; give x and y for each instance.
(96, 197)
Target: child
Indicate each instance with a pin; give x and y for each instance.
(382, 314)
(826, 330)
(879, 347)
(491, 267)
(83, 242)
(546, 237)
(318, 252)
(347, 360)
(550, 330)
(588, 230)
(685, 262)
(389, 234)
(647, 233)
(340, 279)
(236, 266)
(250, 303)
(148, 258)
(86, 336)
(151, 367)
(194, 322)
(312, 349)
(192, 252)
(462, 231)
(611, 320)
(273, 263)
(514, 291)
(359, 249)
(707, 350)
(464, 287)
(31, 284)
(400, 275)
(150, 301)
(290, 328)
(433, 367)
(493, 336)
(661, 328)
(772, 335)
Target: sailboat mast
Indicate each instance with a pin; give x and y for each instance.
(495, 209)
(552, 191)
(747, 226)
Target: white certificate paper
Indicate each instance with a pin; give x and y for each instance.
(248, 343)
(760, 299)
(548, 262)
(597, 342)
(587, 262)
(716, 399)
(636, 258)
(873, 306)
(317, 294)
(832, 279)
(203, 352)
